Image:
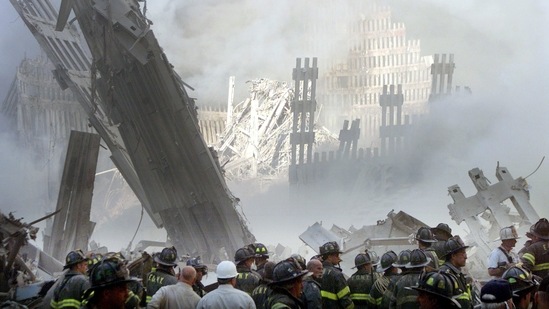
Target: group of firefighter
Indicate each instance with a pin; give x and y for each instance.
(432, 276)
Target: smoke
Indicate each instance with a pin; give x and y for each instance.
(500, 52)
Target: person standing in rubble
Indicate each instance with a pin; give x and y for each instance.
(263, 290)
(70, 291)
(361, 282)
(456, 258)
(311, 297)
(334, 289)
(403, 297)
(388, 279)
(523, 285)
(401, 264)
(442, 232)
(425, 239)
(536, 256)
(247, 279)
(201, 271)
(261, 257)
(287, 285)
(502, 257)
(179, 295)
(164, 273)
(436, 290)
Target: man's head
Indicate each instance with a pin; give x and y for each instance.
(386, 263)
(244, 256)
(187, 275)
(403, 259)
(289, 275)
(542, 295)
(442, 231)
(167, 258)
(226, 273)
(424, 237)
(455, 251)
(109, 279)
(363, 261)
(330, 252)
(508, 236)
(436, 290)
(77, 261)
(315, 267)
(418, 259)
(496, 293)
(541, 229)
(522, 285)
(201, 269)
(261, 254)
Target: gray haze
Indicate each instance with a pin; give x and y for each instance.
(500, 51)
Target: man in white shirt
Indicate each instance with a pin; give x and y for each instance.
(179, 295)
(502, 257)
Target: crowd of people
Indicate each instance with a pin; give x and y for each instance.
(431, 276)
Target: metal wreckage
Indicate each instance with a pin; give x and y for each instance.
(150, 126)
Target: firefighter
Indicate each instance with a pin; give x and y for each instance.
(386, 281)
(247, 279)
(436, 290)
(455, 260)
(164, 273)
(361, 282)
(535, 257)
(287, 285)
(109, 280)
(201, 271)
(70, 291)
(442, 232)
(263, 290)
(311, 297)
(522, 284)
(335, 291)
(425, 239)
(407, 298)
(261, 257)
(502, 257)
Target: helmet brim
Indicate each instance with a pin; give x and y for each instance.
(455, 302)
(159, 261)
(109, 284)
(453, 251)
(301, 274)
(409, 265)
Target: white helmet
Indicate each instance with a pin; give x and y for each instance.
(508, 233)
(226, 270)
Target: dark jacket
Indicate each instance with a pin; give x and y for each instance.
(536, 258)
(404, 298)
(381, 290)
(334, 289)
(360, 283)
(247, 280)
(464, 298)
(311, 297)
(158, 279)
(281, 298)
(68, 294)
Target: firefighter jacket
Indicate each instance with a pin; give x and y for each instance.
(68, 294)
(260, 295)
(536, 258)
(439, 250)
(198, 288)
(334, 289)
(405, 298)
(360, 284)
(158, 279)
(281, 298)
(135, 295)
(247, 280)
(463, 291)
(311, 297)
(381, 290)
(433, 265)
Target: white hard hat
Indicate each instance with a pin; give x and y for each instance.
(508, 233)
(226, 270)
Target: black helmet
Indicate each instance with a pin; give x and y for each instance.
(168, 257)
(418, 259)
(519, 278)
(286, 271)
(387, 260)
(442, 231)
(541, 229)
(329, 247)
(300, 260)
(196, 263)
(243, 254)
(425, 234)
(403, 259)
(454, 244)
(261, 250)
(362, 259)
(109, 272)
(439, 284)
(74, 257)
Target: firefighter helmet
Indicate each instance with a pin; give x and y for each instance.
(74, 257)
(300, 260)
(541, 229)
(373, 256)
(418, 259)
(109, 272)
(439, 284)
(442, 231)
(403, 259)
(226, 270)
(387, 260)
(196, 263)
(508, 232)
(425, 234)
(167, 257)
(454, 244)
(260, 250)
(287, 270)
(362, 259)
(243, 254)
(329, 247)
(519, 278)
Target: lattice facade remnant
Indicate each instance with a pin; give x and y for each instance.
(391, 130)
(303, 108)
(348, 139)
(442, 72)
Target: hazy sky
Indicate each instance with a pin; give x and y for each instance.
(500, 50)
